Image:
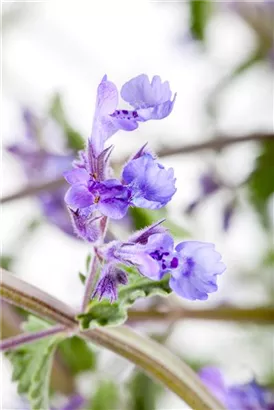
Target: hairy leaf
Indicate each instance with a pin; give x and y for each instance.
(104, 313)
(261, 181)
(32, 365)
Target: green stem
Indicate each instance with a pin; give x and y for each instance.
(153, 358)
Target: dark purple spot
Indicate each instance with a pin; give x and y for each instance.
(163, 265)
(125, 112)
(189, 265)
(174, 263)
(118, 112)
(156, 255)
(128, 118)
(135, 114)
(166, 253)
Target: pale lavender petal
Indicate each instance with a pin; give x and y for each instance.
(78, 196)
(77, 175)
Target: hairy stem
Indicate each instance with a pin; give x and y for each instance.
(14, 342)
(90, 282)
(153, 358)
(216, 144)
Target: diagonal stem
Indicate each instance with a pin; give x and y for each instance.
(16, 341)
(153, 358)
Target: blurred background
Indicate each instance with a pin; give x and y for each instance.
(218, 57)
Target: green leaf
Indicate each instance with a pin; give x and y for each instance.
(104, 313)
(144, 392)
(32, 365)
(106, 397)
(56, 110)
(200, 11)
(77, 355)
(144, 217)
(261, 181)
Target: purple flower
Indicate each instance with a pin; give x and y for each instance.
(150, 101)
(209, 183)
(75, 402)
(198, 267)
(249, 396)
(151, 185)
(111, 277)
(213, 379)
(39, 166)
(193, 266)
(110, 197)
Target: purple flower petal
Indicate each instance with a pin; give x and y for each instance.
(198, 267)
(140, 93)
(77, 175)
(78, 196)
(152, 186)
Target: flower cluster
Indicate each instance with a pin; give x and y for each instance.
(41, 165)
(249, 396)
(94, 196)
(193, 266)
(144, 181)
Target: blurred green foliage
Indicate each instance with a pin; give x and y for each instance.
(32, 364)
(144, 392)
(77, 354)
(261, 181)
(106, 397)
(200, 11)
(74, 140)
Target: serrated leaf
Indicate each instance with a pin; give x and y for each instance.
(56, 110)
(104, 313)
(32, 365)
(106, 397)
(144, 392)
(77, 354)
(261, 181)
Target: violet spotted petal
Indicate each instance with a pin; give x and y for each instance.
(196, 275)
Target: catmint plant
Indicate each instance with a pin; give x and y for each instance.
(95, 195)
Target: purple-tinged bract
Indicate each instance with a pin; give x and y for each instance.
(107, 286)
